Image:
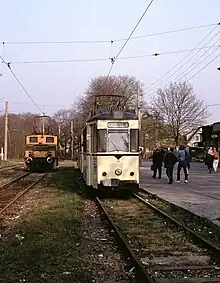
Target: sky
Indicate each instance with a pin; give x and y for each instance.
(56, 85)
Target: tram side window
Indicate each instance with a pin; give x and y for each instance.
(102, 140)
(84, 142)
(94, 140)
(134, 136)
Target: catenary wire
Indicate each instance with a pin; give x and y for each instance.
(106, 59)
(130, 35)
(182, 60)
(109, 41)
(42, 105)
(182, 66)
(199, 71)
(21, 85)
(204, 67)
(185, 73)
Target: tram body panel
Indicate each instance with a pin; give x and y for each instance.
(128, 165)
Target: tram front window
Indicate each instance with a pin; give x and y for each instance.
(118, 141)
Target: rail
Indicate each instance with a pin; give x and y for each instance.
(146, 272)
(20, 194)
(14, 180)
(136, 262)
(10, 167)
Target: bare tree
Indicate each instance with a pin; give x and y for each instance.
(125, 86)
(154, 132)
(19, 125)
(179, 108)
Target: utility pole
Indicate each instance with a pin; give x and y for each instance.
(6, 132)
(71, 132)
(138, 108)
(59, 136)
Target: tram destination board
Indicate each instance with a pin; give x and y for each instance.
(118, 124)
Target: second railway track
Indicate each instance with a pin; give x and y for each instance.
(162, 249)
(13, 190)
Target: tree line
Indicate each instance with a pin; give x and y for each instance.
(165, 119)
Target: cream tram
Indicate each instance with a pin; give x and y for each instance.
(109, 156)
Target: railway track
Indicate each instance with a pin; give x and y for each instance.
(161, 248)
(9, 167)
(13, 190)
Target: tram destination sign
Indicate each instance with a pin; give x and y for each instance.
(118, 124)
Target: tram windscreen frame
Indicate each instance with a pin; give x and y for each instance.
(130, 136)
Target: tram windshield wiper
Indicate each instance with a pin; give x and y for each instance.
(114, 145)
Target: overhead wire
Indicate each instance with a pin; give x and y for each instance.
(199, 71)
(182, 60)
(120, 58)
(21, 85)
(108, 41)
(204, 67)
(182, 66)
(46, 105)
(130, 35)
(200, 62)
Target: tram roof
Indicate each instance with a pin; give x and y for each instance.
(113, 115)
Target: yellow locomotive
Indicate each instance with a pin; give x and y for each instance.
(41, 147)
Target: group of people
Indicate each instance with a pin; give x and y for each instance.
(170, 159)
(212, 159)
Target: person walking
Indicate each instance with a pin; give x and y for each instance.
(183, 159)
(216, 159)
(209, 160)
(170, 160)
(157, 163)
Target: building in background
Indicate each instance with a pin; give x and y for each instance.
(211, 135)
(194, 138)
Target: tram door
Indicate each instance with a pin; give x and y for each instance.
(89, 155)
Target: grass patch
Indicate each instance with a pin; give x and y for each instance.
(47, 245)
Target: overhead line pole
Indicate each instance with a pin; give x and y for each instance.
(138, 107)
(71, 129)
(6, 132)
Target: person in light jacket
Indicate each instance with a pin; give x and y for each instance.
(183, 161)
(216, 159)
(209, 160)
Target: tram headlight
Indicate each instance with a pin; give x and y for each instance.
(118, 172)
(49, 160)
(104, 174)
(29, 160)
(132, 173)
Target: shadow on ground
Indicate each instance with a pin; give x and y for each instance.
(49, 244)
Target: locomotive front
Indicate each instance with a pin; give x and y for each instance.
(40, 152)
(41, 147)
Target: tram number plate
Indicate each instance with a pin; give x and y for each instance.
(114, 182)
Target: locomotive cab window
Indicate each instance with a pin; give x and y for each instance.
(33, 139)
(134, 137)
(49, 139)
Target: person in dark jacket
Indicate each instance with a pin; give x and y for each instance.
(170, 160)
(209, 159)
(157, 163)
